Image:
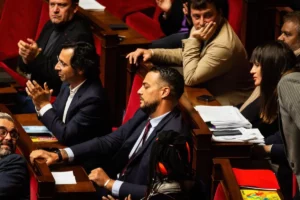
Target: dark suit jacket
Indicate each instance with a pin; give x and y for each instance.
(87, 116)
(42, 68)
(119, 144)
(14, 177)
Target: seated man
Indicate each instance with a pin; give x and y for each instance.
(130, 146)
(38, 58)
(14, 175)
(80, 111)
(290, 31)
(212, 56)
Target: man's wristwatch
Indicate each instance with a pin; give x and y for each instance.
(57, 151)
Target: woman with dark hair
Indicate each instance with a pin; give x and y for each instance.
(270, 62)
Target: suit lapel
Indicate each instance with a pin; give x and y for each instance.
(153, 135)
(76, 98)
(63, 98)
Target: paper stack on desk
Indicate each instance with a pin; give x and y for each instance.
(91, 5)
(228, 119)
(248, 135)
(223, 117)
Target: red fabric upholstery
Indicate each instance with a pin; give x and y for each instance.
(122, 8)
(134, 99)
(149, 26)
(235, 15)
(219, 195)
(44, 17)
(19, 79)
(19, 20)
(145, 25)
(295, 185)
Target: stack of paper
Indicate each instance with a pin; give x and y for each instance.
(229, 120)
(223, 117)
(64, 177)
(91, 5)
(248, 135)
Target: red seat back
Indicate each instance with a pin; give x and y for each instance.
(19, 21)
(235, 15)
(44, 17)
(134, 99)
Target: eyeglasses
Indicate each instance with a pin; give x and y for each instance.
(13, 133)
(61, 64)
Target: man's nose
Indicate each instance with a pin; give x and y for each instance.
(8, 136)
(201, 22)
(280, 37)
(56, 8)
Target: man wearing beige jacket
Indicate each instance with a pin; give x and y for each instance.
(212, 57)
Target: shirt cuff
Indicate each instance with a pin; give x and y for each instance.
(116, 188)
(44, 109)
(69, 153)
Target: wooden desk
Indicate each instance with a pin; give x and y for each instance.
(42, 173)
(113, 52)
(8, 95)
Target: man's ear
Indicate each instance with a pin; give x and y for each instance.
(76, 8)
(165, 92)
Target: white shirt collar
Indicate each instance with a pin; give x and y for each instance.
(75, 89)
(155, 121)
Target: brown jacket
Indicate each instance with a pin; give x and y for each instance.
(220, 65)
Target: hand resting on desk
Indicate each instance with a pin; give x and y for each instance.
(50, 157)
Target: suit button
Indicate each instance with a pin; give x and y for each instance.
(292, 165)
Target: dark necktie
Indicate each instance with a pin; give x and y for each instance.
(142, 141)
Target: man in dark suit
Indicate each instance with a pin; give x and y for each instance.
(81, 107)
(38, 58)
(14, 175)
(130, 146)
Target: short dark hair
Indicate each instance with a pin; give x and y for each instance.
(173, 78)
(295, 18)
(84, 58)
(275, 58)
(221, 5)
(75, 1)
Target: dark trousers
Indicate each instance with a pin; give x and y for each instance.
(170, 42)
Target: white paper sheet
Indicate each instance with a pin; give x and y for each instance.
(64, 177)
(91, 5)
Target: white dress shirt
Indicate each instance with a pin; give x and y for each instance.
(47, 107)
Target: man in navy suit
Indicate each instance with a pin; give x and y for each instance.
(130, 146)
(80, 111)
(14, 176)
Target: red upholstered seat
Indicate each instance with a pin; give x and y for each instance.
(134, 99)
(219, 195)
(235, 15)
(149, 27)
(19, 79)
(19, 20)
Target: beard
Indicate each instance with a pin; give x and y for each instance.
(6, 151)
(150, 108)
